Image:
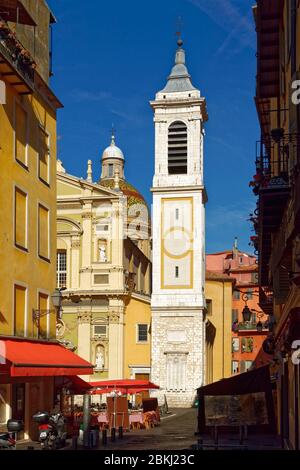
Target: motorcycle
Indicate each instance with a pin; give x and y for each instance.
(8, 440)
(52, 435)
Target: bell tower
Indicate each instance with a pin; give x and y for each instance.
(179, 197)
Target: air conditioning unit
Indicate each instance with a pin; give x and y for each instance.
(99, 331)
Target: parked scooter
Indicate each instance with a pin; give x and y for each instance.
(52, 433)
(8, 440)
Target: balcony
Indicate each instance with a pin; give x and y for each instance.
(266, 300)
(268, 18)
(274, 158)
(15, 11)
(16, 64)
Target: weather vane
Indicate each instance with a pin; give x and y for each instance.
(179, 28)
(113, 132)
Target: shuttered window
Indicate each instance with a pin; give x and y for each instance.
(43, 231)
(177, 148)
(20, 219)
(19, 310)
(44, 155)
(20, 134)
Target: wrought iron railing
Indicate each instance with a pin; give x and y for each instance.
(275, 154)
(15, 53)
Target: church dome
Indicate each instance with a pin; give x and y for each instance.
(112, 151)
(132, 194)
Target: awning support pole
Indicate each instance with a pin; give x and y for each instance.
(86, 419)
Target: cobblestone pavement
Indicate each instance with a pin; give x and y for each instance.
(176, 432)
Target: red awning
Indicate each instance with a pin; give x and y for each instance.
(25, 358)
(123, 391)
(74, 384)
(124, 384)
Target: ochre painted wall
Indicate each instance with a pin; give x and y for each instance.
(220, 294)
(17, 265)
(136, 354)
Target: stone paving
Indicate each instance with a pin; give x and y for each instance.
(176, 432)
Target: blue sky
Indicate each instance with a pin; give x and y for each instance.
(110, 58)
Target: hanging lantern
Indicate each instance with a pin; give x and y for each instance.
(246, 313)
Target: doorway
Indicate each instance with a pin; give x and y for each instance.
(18, 404)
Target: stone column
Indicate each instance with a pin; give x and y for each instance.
(87, 235)
(84, 334)
(75, 262)
(116, 339)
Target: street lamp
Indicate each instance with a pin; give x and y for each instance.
(57, 301)
(246, 313)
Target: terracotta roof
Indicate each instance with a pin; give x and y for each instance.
(218, 276)
(249, 268)
(230, 252)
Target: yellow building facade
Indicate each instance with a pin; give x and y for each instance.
(218, 293)
(277, 185)
(104, 267)
(27, 197)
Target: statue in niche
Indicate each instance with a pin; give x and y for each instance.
(102, 254)
(99, 358)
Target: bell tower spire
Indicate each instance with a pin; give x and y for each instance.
(179, 197)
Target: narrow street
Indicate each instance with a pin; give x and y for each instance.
(176, 432)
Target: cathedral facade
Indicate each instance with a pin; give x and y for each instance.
(104, 269)
(179, 197)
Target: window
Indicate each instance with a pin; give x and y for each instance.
(142, 333)
(234, 367)
(253, 318)
(43, 232)
(177, 148)
(246, 365)
(19, 310)
(250, 294)
(241, 260)
(235, 345)
(43, 315)
(21, 131)
(208, 307)
(236, 295)
(61, 268)
(176, 271)
(110, 170)
(247, 345)
(99, 330)
(20, 219)
(44, 156)
(235, 315)
(101, 279)
(176, 372)
(176, 214)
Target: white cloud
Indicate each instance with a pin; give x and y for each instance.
(227, 14)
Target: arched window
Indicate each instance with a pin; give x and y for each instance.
(177, 148)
